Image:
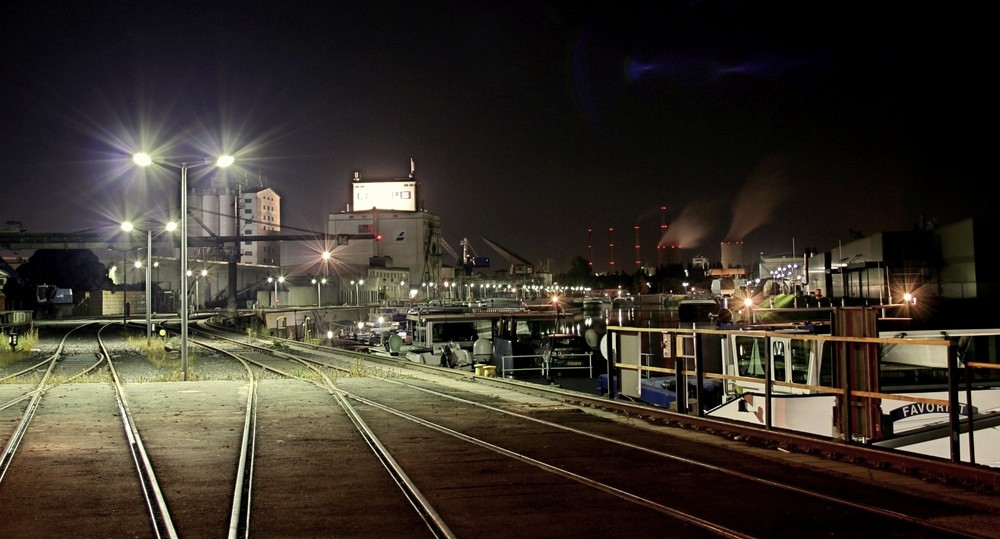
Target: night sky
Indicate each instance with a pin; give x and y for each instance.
(780, 124)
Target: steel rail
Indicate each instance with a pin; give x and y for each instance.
(7, 455)
(156, 504)
(417, 500)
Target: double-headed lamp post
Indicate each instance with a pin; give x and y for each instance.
(319, 297)
(127, 226)
(144, 160)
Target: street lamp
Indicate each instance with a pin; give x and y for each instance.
(274, 300)
(197, 288)
(555, 307)
(144, 160)
(357, 290)
(319, 298)
(748, 304)
(124, 289)
(127, 226)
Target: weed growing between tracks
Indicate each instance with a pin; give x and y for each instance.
(164, 356)
(360, 370)
(93, 377)
(26, 342)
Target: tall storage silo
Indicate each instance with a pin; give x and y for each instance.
(732, 254)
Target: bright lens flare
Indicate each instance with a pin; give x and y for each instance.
(144, 160)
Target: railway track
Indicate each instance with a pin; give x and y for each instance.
(468, 425)
(40, 428)
(288, 440)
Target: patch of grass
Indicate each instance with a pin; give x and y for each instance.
(26, 342)
(164, 354)
(359, 370)
(155, 350)
(93, 377)
(306, 374)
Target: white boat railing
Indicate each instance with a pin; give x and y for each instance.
(545, 368)
(509, 360)
(589, 367)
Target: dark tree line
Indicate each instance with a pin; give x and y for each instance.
(667, 279)
(77, 269)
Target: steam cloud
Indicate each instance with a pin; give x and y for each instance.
(766, 189)
(691, 227)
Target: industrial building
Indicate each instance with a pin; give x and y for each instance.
(405, 250)
(237, 210)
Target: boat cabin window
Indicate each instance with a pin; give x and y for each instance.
(800, 360)
(750, 356)
(523, 331)
(826, 365)
(930, 370)
(454, 332)
(779, 351)
(980, 349)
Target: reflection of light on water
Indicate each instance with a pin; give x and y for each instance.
(653, 315)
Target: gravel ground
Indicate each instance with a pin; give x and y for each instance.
(131, 361)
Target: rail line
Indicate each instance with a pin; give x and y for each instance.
(649, 501)
(47, 366)
(159, 514)
(455, 455)
(417, 500)
(72, 369)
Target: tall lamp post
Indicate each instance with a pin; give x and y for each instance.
(127, 226)
(124, 289)
(197, 286)
(555, 307)
(274, 300)
(319, 297)
(203, 275)
(144, 160)
(357, 291)
(149, 286)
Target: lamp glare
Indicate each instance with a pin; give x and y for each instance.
(142, 159)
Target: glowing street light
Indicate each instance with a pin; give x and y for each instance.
(319, 298)
(124, 290)
(144, 160)
(128, 226)
(274, 300)
(357, 290)
(197, 290)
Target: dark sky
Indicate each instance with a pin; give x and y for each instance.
(779, 124)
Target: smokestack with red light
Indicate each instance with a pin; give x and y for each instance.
(661, 246)
(611, 246)
(590, 248)
(638, 256)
